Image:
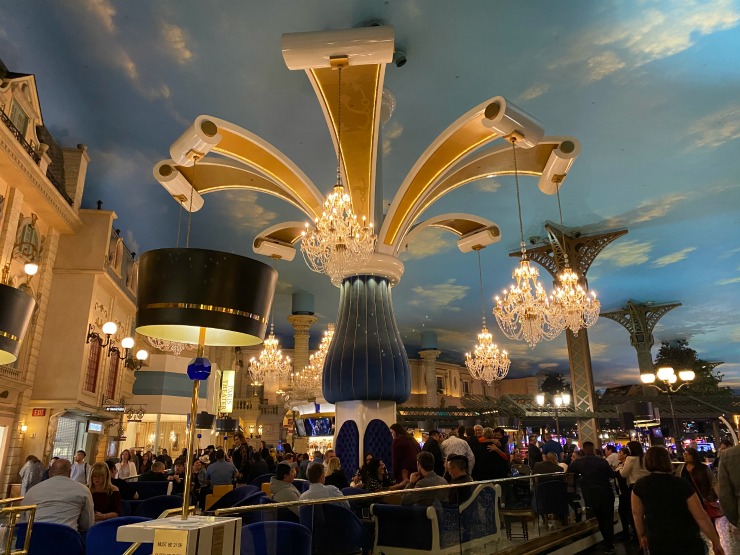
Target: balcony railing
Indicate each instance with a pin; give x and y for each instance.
(8, 372)
(34, 155)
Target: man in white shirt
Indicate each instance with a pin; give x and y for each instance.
(61, 500)
(80, 468)
(611, 455)
(317, 489)
(453, 445)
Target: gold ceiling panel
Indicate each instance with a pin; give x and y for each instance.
(270, 163)
(361, 89)
(208, 178)
(469, 136)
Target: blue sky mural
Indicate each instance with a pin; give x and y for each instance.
(649, 88)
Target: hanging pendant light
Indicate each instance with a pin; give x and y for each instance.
(271, 367)
(524, 311)
(572, 305)
(487, 362)
(338, 241)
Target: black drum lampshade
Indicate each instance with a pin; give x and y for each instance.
(227, 424)
(16, 309)
(203, 420)
(183, 290)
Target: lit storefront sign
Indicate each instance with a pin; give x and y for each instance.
(227, 391)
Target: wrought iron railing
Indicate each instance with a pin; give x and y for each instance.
(34, 155)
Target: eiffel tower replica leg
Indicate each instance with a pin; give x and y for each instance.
(639, 319)
(582, 249)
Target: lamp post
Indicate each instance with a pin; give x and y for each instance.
(556, 401)
(666, 377)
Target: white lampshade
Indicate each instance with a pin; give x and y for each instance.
(142, 354)
(540, 399)
(31, 268)
(109, 328)
(673, 378)
(566, 398)
(558, 400)
(687, 375)
(647, 378)
(127, 342)
(665, 373)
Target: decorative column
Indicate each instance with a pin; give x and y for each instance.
(429, 355)
(581, 249)
(640, 319)
(301, 319)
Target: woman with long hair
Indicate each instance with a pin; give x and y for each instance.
(106, 496)
(126, 468)
(632, 470)
(334, 475)
(403, 453)
(698, 474)
(377, 477)
(146, 462)
(667, 512)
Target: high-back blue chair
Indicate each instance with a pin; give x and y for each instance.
(551, 498)
(261, 479)
(301, 485)
(236, 498)
(101, 537)
(275, 538)
(283, 513)
(47, 537)
(335, 530)
(155, 506)
(150, 489)
(357, 505)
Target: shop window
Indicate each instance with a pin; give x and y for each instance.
(440, 383)
(19, 118)
(65, 439)
(110, 390)
(93, 365)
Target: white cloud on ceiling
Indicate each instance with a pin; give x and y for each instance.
(735, 334)
(628, 253)
(728, 281)
(534, 91)
(131, 242)
(175, 39)
(429, 242)
(718, 128)
(489, 185)
(646, 211)
(391, 132)
(667, 29)
(242, 207)
(547, 365)
(441, 296)
(673, 257)
(104, 12)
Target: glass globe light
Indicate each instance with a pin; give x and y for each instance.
(142, 355)
(687, 375)
(647, 378)
(665, 373)
(127, 342)
(109, 328)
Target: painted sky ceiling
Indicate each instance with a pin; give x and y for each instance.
(649, 88)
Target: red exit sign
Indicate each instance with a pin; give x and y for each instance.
(38, 412)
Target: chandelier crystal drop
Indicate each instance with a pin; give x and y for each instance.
(174, 347)
(524, 311)
(307, 383)
(271, 367)
(338, 242)
(575, 307)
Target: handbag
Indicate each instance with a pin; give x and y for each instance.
(713, 508)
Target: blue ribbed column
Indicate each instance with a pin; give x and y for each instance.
(367, 360)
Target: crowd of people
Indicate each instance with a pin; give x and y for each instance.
(664, 507)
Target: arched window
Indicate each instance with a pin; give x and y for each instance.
(133, 281)
(110, 390)
(115, 254)
(93, 364)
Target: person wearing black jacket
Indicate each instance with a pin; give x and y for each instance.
(432, 446)
(534, 454)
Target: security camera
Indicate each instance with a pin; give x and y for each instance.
(177, 185)
(195, 142)
(513, 123)
(399, 58)
(479, 239)
(558, 165)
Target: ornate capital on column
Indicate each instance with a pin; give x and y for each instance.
(429, 355)
(302, 323)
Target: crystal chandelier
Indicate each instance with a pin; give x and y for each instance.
(174, 347)
(487, 362)
(572, 304)
(271, 367)
(524, 312)
(338, 241)
(307, 383)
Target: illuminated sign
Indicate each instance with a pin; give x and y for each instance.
(227, 391)
(115, 408)
(38, 412)
(94, 427)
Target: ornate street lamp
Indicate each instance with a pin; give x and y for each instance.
(553, 402)
(665, 380)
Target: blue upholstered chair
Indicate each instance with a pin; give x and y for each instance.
(155, 506)
(357, 505)
(47, 537)
(237, 497)
(301, 485)
(150, 489)
(283, 513)
(275, 538)
(335, 530)
(259, 480)
(551, 498)
(101, 537)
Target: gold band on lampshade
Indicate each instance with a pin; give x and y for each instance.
(183, 290)
(16, 310)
